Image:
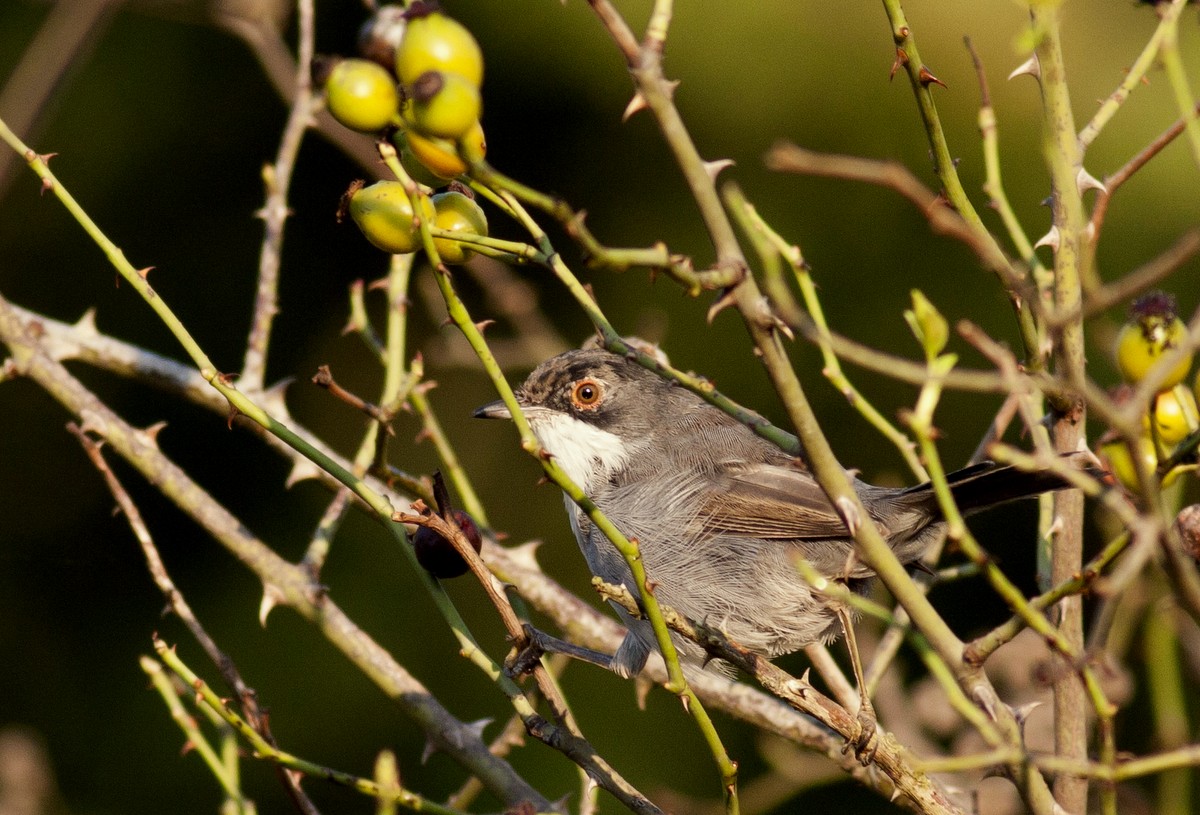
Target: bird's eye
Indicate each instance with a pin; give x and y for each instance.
(585, 394)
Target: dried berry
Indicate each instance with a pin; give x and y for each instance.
(438, 555)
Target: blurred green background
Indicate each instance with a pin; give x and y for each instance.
(161, 128)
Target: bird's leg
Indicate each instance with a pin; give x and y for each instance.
(524, 658)
(863, 742)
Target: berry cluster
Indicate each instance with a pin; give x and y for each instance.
(1152, 333)
(418, 85)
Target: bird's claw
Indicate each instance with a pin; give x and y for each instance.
(865, 740)
(526, 655)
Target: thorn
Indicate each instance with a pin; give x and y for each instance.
(984, 700)
(302, 470)
(1086, 181)
(783, 328)
(579, 219)
(638, 102)
(1030, 66)
(1083, 449)
(686, 701)
(86, 324)
(1049, 239)
(47, 184)
(714, 168)
(477, 727)
(670, 87)
(484, 325)
(804, 677)
(724, 301)
(153, 430)
(526, 554)
(849, 514)
(430, 749)
(271, 598)
(901, 61)
(1021, 713)
(926, 78)
(1056, 527)
(144, 274)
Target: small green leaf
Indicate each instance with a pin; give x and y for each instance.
(928, 325)
(942, 365)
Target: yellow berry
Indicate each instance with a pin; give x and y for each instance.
(361, 95)
(443, 105)
(1153, 331)
(1175, 415)
(1121, 465)
(457, 213)
(385, 216)
(435, 42)
(442, 156)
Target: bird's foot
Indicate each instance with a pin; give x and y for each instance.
(526, 655)
(864, 741)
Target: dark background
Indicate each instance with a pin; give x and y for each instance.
(161, 129)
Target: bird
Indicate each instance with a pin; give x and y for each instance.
(719, 512)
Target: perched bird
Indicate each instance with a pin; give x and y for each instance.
(719, 512)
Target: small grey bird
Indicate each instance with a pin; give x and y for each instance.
(718, 511)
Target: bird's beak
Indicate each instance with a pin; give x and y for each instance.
(493, 410)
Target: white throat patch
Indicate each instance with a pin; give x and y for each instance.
(584, 451)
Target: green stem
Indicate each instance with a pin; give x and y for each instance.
(772, 248)
(1072, 274)
(265, 750)
(1177, 76)
(1169, 705)
(1135, 75)
(195, 739)
(922, 81)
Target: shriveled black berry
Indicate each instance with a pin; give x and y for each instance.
(438, 555)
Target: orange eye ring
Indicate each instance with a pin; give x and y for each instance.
(586, 394)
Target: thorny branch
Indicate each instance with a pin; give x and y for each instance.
(38, 346)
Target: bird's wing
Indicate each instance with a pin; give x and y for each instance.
(771, 502)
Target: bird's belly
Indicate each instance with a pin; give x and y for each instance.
(747, 588)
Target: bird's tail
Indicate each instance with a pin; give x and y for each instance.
(987, 484)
